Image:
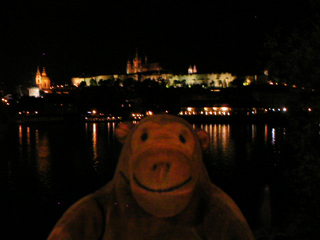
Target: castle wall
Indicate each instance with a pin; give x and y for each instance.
(212, 79)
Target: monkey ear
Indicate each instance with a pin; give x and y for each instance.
(122, 131)
(204, 138)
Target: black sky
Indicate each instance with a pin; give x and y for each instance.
(71, 38)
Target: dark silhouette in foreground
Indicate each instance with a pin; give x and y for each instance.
(161, 190)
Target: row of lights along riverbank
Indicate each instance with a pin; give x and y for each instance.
(228, 111)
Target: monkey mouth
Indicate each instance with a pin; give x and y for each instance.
(170, 189)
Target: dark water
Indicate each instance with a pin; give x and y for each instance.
(45, 168)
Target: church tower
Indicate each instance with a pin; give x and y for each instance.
(42, 80)
(137, 66)
(129, 68)
(38, 77)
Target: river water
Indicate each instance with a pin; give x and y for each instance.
(47, 167)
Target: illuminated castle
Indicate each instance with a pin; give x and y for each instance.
(136, 66)
(42, 80)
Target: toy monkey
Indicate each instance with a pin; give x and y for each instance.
(160, 190)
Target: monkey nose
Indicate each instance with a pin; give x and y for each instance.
(161, 169)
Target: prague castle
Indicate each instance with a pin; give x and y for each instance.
(140, 71)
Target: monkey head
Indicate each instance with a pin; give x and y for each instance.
(162, 159)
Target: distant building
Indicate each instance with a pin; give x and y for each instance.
(42, 80)
(210, 79)
(192, 70)
(142, 71)
(34, 92)
(77, 80)
(136, 66)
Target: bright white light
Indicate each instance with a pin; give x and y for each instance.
(224, 108)
(284, 109)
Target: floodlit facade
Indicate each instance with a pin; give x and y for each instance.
(141, 71)
(34, 92)
(209, 79)
(221, 80)
(42, 80)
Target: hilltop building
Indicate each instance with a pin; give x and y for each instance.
(42, 80)
(136, 65)
(221, 80)
(192, 70)
(141, 71)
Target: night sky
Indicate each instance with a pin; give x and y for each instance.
(72, 38)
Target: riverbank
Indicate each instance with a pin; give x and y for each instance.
(257, 118)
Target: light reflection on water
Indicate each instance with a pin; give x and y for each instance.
(228, 141)
(43, 158)
(101, 136)
(70, 161)
(228, 144)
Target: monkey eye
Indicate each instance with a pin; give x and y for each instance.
(182, 138)
(144, 137)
